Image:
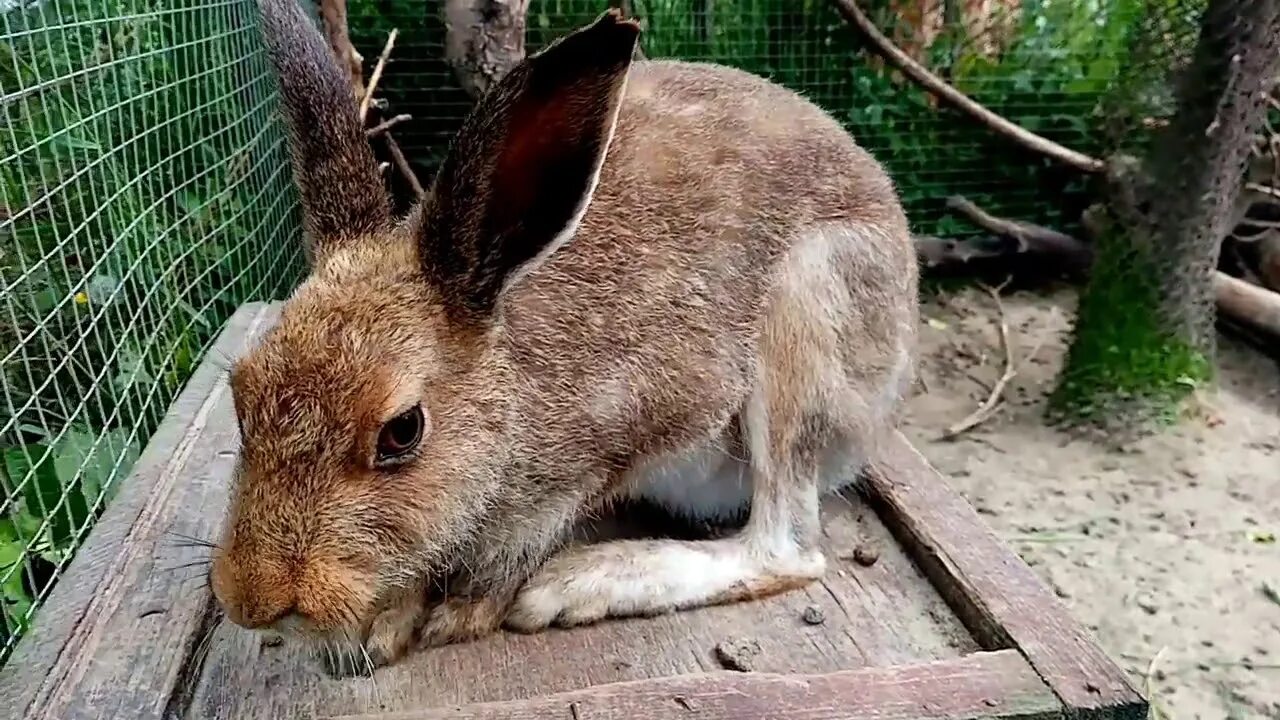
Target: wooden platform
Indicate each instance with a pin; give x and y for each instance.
(947, 622)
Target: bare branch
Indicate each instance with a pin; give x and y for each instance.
(403, 166)
(386, 125)
(377, 74)
(1076, 256)
(333, 15)
(921, 76)
(995, 399)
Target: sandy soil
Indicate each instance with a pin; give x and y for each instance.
(1165, 548)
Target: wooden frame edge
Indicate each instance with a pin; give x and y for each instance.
(998, 684)
(997, 596)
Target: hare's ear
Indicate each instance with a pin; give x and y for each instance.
(343, 200)
(521, 171)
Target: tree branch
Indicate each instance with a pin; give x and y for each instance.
(921, 76)
(377, 74)
(1246, 304)
(386, 125)
(333, 15)
(1076, 256)
(402, 164)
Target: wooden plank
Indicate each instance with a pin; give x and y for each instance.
(112, 639)
(998, 596)
(886, 614)
(985, 685)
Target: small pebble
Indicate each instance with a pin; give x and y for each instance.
(813, 615)
(865, 556)
(738, 654)
(1147, 603)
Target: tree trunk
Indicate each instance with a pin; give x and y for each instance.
(1200, 160)
(1145, 331)
(483, 40)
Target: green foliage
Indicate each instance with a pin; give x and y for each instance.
(1054, 75)
(144, 198)
(1122, 362)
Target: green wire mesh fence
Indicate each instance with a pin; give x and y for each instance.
(1088, 74)
(146, 193)
(146, 190)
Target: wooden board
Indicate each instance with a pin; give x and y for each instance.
(978, 686)
(998, 596)
(947, 623)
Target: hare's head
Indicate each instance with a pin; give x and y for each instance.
(370, 415)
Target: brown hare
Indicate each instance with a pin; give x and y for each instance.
(659, 280)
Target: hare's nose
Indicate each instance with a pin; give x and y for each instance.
(272, 618)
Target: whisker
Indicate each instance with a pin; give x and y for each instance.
(368, 663)
(191, 540)
(183, 566)
(206, 643)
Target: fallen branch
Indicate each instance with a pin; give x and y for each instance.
(992, 404)
(386, 125)
(921, 76)
(1075, 256)
(1254, 307)
(1245, 304)
(377, 74)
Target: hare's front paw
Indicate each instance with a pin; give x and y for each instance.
(572, 588)
(459, 619)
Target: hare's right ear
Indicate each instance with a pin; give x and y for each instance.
(521, 171)
(343, 200)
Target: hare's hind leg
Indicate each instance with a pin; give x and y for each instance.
(827, 381)
(776, 551)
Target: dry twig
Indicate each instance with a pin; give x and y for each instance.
(402, 165)
(995, 399)
(377, 74)
(386, 125)
(921, 76)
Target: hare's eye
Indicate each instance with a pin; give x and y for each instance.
(400, 435)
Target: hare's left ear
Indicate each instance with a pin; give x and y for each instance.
(518, 178)
(343, 201)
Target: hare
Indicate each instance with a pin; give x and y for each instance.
(660, 280)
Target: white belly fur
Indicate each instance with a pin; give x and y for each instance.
(711, 484)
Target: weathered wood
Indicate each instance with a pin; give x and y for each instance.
(113, 638)
(986, 685)
(882, 615)
(1001, 600)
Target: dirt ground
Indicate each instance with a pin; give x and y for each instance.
(1164, 549)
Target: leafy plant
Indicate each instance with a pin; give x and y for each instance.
(145, 195)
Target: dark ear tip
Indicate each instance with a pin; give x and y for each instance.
(614, 21)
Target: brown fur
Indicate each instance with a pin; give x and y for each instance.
(651, 332)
